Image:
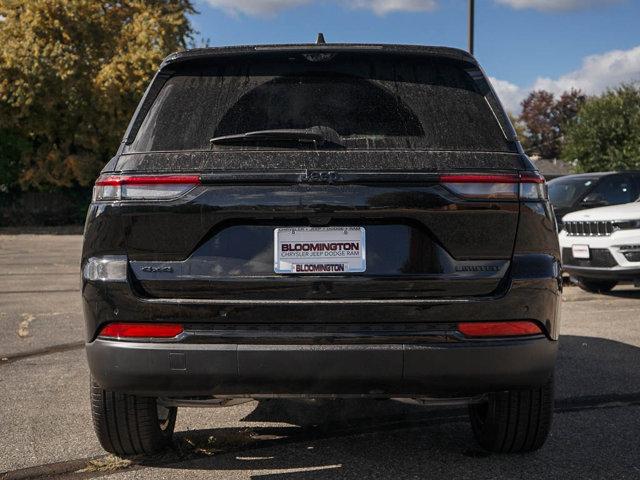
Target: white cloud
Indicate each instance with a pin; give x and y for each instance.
(255, 7)
(382, 7)
(509, 93)
(556, 5)
(272, 7)
(597, 73)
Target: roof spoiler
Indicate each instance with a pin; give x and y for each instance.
(319, 47)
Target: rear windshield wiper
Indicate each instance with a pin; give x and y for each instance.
(319, 136)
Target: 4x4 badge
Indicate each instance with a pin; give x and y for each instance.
(320, 177)
(161, 269)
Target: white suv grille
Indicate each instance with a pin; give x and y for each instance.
(589, 229)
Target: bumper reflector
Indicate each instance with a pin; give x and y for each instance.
(499, 329)
(141, 330)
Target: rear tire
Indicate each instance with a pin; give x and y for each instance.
(596, 286)
(129, 424)
(514, 421)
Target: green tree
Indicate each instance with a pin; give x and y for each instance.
(606, 133)
(71, 74)
(545, 119)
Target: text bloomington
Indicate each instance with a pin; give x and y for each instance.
(320, 267)
(320, 246)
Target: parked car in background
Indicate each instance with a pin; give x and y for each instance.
(591, 190)
(320, 221)
(601, 246)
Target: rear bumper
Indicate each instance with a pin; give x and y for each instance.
(448, 369)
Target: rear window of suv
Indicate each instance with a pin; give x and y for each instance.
(374, 102)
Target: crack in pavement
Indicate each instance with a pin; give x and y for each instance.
(185, 450)
(64, 347)
(40, 274)
(66, 290)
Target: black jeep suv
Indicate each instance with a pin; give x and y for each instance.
(320, 221)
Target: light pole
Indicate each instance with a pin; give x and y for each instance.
(471, 24)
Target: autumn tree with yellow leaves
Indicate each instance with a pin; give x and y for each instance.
(71, 75)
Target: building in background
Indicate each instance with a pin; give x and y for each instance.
(552, 168)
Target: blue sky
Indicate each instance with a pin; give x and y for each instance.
(523, 44)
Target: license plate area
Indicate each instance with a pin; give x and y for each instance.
(319, 250)
(581, 251)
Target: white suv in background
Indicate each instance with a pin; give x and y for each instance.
(601, 246)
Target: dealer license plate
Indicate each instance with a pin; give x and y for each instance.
(580, 251)
(319, 250)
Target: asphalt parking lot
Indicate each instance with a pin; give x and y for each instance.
(46, 431)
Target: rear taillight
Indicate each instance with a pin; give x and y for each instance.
(508, 186)
(532, 186)
(109, 268)
(142, 187)
(499, 329)
(141, 330)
